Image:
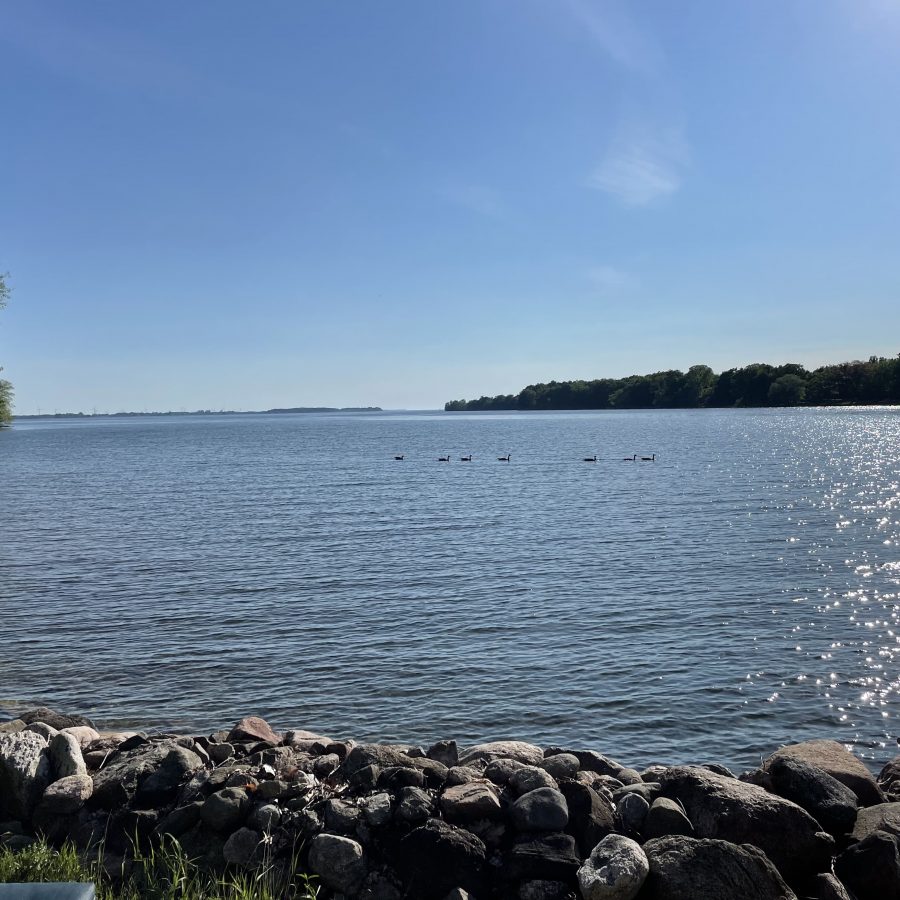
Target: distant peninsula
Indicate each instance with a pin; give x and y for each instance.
(205, 412)
(875, 382)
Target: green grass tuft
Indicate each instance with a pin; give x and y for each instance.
(162, 873)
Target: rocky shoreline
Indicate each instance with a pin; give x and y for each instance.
(505, 819)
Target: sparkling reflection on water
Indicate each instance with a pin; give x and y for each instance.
(740, 592)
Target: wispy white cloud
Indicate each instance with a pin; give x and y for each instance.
(477, 198)
(609, 25)
(641, 168)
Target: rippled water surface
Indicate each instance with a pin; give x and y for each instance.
(739, 592)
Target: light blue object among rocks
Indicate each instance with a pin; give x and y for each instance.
(49, 890)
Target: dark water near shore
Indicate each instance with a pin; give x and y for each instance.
(739, 592)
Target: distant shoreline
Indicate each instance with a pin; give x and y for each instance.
(202, 412)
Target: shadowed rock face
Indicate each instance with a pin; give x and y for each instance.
(831, 803)
(871, 868)
(727, 809)
(437, 857)
(840, 763)
(683, 868)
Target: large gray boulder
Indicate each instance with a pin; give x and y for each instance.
(253, 729)
(883, 817)
(65, 755)
(243, 848)
(871, 869)
(436, 857)
(831, 803)
(543, 809)
(471, 802)
(543, 857)
(116, 783)
(591, 817)
(726, 809)
(162, 784)
(615, 870)
(520, 751)
(666, 817)
(66, 795)
(837, 761)
(55, 719)
(24, 773)
(383, 756)
(683, 868)
(339, 861)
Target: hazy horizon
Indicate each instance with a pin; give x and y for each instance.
(211, 206)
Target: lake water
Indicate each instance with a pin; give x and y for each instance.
(739, 592)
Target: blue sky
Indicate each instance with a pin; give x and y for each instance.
(234, 205)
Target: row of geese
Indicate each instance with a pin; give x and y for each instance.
(589, 459)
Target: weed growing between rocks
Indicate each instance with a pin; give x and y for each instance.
(163, 873)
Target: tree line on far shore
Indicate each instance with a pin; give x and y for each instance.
(870, 383)
(6, 389)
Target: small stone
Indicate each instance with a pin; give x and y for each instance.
(500, 771)
(666, 817)
(271, 790)
(363, 780)
(326, 764)
(377, 809)
(341, 817)
(543, 809)
(180, 820)
(470, 802)
(43, 729)
(632, 810)
(225, 809)
(219, 753)
(648, 790)
(253, 728)
(242, 848)
(829, 888)
(445, 752)
(84, 734)
(338, 861)
(67, 794)
(615, 870)
(12, 727)
(241, 779)
(463, 775)
(530, 778)
(548, 857)
(398, 777)
(544, 890)
(264, 818)
(415, 806)
(65, 756)
(561, 765)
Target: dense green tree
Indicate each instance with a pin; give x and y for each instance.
(873, 382)
(788, 390)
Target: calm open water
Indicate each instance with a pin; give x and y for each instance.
(740, 592)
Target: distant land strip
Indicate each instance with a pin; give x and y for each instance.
(872, 383)
(204, 412)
